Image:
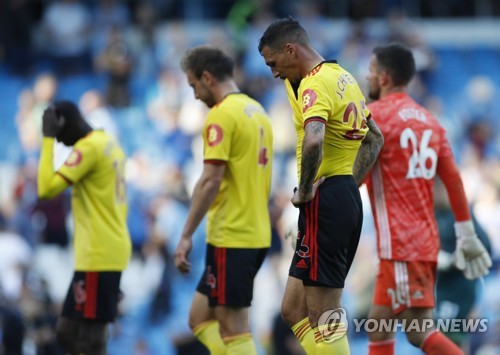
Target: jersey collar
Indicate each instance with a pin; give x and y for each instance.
(394, 95)
(318, 67)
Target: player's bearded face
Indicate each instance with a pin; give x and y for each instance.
(205, 95)
(201, 91)
(372, 78)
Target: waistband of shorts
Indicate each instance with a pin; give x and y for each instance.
(339, 179)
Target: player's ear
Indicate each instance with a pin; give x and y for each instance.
(383, 78)
(207, 77)
(290, 49)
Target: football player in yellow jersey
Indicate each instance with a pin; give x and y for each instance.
(95, 169)
(335, 135)
(233, 191)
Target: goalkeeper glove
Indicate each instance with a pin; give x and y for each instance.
(470, 255)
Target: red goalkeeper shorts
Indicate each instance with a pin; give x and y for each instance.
(405, 284)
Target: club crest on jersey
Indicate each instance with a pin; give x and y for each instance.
(74, 158)
(214, 134)
(211, 279)
(308, 99)
(79, 292)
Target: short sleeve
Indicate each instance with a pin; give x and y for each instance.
(314, 99)
(81, 160)
(366, 111)
(217, 136)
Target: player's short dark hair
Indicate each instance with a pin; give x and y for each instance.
(69, 110)
(281, 32)
(397, 60)
(213, 60)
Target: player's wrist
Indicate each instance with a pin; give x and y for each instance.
(304, 190)
(465, 229)
(186, 236)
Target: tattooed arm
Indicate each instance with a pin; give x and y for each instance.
(312, 154)
(368, 152)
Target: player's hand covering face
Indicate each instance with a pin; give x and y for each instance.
(52, 124)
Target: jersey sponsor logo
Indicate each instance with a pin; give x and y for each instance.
(74, 158)
(214, 135)
(309, 97)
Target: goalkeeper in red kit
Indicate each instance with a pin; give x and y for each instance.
(400, 186)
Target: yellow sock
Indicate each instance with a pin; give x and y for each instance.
(241, 344)
(331, 342)
(208, 334)
(305, 335)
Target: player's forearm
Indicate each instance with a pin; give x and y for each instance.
(448, 172)
(45, 168)
(49, 183)
(368, 152)
(204, 195)
(312, 154)
(311, 160)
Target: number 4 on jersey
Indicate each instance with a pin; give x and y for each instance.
(263, 159)
(421, 153)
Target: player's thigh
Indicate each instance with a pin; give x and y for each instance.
(66, 332)
(381, 315)
(321, 299)
(200, 311)
(421, 316)
(232, 320)
(293, 304)
(93, 337)
(81, 335)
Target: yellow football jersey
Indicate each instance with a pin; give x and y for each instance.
(238, 133)
(330, 94)
(96, 169)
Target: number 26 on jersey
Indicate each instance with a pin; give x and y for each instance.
(423, 159)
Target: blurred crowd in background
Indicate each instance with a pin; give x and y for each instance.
(120, 62)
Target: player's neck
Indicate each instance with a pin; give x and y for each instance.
(225, 88)
(311, 60)
(394, 90)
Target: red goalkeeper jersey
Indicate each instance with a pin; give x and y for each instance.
(401, 182)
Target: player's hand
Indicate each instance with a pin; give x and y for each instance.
(470, 255)
(51, 123)
(300, 197)
(182, 254)
(291, 234)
